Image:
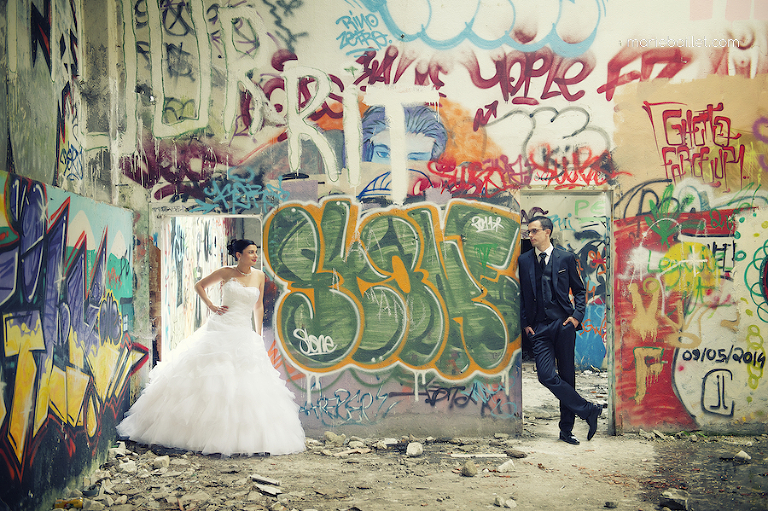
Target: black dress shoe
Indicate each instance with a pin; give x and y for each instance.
(568, 438)
(592, 420)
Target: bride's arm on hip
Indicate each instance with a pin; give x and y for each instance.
(258, 309)
(206, 282)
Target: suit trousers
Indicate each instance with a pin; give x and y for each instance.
(553, 350)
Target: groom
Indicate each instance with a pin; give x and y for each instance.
(548, 275)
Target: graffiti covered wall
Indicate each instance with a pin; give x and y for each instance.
(66, 302)
(396, 155)
(413, 302)
(363, 133)
(687, 298)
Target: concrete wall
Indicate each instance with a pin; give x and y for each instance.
(383, 312)
(278, 109)
(395, 151)
(76, 333)
(690, 292)
(66, 303)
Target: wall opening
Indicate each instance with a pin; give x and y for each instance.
(191, 247)
(582, 222)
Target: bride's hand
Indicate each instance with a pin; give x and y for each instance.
(216, 309)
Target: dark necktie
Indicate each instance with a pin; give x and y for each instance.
(543, 260)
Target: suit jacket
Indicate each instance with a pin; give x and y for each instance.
(566, 279)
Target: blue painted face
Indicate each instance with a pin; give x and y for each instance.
(418, 147)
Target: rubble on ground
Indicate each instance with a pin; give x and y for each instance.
(163, 479)
(340, 473)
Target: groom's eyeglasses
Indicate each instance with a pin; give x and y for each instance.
(534, 231)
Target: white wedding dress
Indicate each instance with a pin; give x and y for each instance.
(218, 393)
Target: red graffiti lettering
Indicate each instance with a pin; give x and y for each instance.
(515, 70)
(568, 171)
(472, 179)
(695, 143)
(674, 59)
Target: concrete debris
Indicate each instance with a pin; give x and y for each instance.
(266, 480)
(739, 457)
(505, 502)
(514, 453)
(674, 498)
(129, 467)
(478, 455)
(93, 505)
(269, 490)
(742, 456)
(361, 472)
(332, 439)
(347, 452)
(194, 497)
(507, 466)
(414, 449)
(646, 435)
(118, 451)
(99, 475)
(161, 462)
(469, 469)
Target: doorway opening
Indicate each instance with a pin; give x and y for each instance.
(581, 221)
(191, 247)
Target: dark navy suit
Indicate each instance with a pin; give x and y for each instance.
(554, 344)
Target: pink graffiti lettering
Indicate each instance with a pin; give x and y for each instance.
(482, 118)
(375, 71)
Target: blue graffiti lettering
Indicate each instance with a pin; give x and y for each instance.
(240, 193)
(359, 33)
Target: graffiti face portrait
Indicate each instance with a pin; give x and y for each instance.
(424, 138)
(418, 147)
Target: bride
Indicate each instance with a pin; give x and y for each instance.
(218, 391)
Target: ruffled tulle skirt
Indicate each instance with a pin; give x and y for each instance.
(218, 393)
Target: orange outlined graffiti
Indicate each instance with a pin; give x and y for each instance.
(398, 287)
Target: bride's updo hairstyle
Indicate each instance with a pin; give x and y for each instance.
(235, 246)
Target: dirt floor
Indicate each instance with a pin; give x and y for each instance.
(539, 472)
